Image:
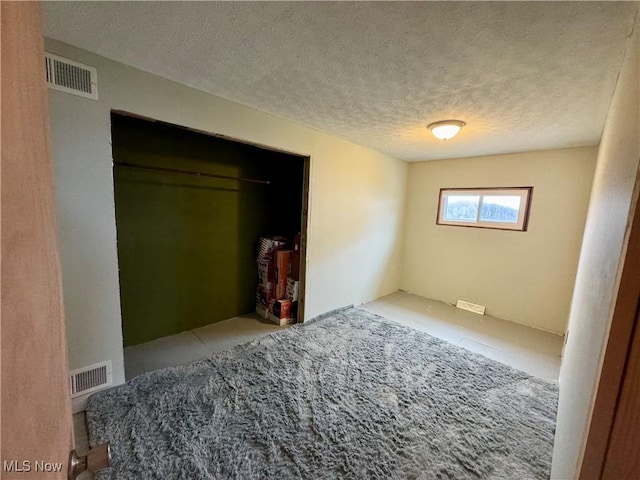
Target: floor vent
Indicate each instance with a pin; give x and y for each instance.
(92, 378)
(71, 77)
(471, 307)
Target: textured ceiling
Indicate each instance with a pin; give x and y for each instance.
(522, 75)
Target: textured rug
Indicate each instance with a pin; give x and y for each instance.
(349, 396)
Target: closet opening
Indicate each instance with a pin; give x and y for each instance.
(194, 214)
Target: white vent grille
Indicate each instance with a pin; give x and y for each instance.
(71, 77)
(92, 378)
(471, 307)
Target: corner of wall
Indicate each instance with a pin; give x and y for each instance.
(405, 220)
(601, 260)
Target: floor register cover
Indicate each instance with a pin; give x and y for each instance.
(348, 396)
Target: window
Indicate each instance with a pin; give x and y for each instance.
(499, 208)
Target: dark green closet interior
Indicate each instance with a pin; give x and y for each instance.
(187, 244)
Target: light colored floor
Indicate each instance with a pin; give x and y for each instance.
(525, 348)
(533, 351)
(194, 344)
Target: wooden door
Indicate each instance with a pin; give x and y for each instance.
(35, 401)
(623, 455)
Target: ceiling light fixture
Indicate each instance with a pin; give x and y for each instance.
(446, 129)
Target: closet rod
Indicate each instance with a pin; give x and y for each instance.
(187, 172)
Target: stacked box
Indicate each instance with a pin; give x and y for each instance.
(264, 297)
(274, 264)
(281, 260)
(280, 321)
(281, 313)
(266, 277)
(282, 308)
(268, 245)
(262, 311)
(293, 289)
(266, 274)
(294, 265)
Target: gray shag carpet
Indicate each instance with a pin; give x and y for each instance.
(348, 396)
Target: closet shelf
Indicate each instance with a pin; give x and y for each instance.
(188, 172)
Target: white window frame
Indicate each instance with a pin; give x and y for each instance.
(521, 225)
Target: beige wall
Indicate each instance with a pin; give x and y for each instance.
(525, 277)
(600, 266)
(355, 212)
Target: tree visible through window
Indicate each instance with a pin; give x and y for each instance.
(501, 208)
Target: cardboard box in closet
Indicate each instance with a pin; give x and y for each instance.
(264, 296)
(282, 312)
(281, 260)
(262, 311)
(282, 308)
(294, 265)
(268, 245)
(266, 282)
(293, 289)
(266, 273)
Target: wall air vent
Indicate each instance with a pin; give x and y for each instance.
(89, 379)
(71, 77)
(471, 307)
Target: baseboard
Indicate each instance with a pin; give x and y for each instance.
(79, 404)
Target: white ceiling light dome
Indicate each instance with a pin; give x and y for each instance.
(446, 129)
